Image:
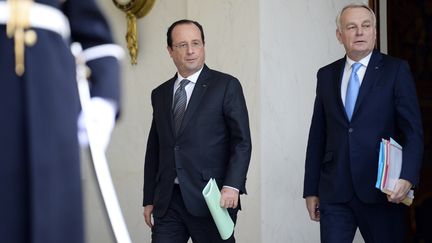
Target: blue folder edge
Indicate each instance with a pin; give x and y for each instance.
(380, 165)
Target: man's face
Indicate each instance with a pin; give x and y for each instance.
(357, 32)
(187, 49)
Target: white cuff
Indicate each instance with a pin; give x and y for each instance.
(232, 188)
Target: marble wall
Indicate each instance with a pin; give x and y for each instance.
(297, 37)
(274, 47)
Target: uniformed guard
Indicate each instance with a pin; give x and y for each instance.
(41, 199)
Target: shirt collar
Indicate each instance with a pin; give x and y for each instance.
(192, 78)
(364, 61)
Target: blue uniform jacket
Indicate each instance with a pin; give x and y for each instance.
(40, 178)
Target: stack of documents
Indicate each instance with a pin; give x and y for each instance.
(220, 215)
(389, 168)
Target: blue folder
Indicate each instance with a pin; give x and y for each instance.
(381, 163)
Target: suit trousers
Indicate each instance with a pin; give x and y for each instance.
(378, 222)
(178, 225)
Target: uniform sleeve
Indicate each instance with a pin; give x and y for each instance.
(90, 28)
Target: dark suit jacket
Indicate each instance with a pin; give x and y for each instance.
(342, 156)
(213, 142)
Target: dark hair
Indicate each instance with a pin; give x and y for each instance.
(179, 22)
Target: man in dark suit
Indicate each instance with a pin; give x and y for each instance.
(360, 99)
(200, 130)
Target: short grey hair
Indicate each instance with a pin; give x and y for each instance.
(354, 5)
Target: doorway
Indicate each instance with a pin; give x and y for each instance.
(409, 36)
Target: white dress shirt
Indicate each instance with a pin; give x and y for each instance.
(347, 72)
(189, 87)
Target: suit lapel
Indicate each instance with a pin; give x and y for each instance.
(371, 76)
(337, 77)
(168, 93)
(197, 95)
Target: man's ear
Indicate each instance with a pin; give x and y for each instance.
(339, 36)
(170, 50)
(375, 34)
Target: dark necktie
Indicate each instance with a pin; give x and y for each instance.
(352, 90)
(180, 99)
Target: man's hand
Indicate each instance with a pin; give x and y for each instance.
(229, 197)
(400, 192)
(312, 205)
(148, 211)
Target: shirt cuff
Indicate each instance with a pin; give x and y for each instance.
(232, 188)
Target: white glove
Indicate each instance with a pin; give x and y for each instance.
(99, 119)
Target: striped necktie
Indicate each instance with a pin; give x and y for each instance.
(180, 99)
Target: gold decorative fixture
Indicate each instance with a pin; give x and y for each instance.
(134, 9)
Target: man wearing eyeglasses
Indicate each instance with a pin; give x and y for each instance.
(200, 130)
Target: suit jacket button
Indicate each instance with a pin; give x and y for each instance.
(351, 130)
(177, 148)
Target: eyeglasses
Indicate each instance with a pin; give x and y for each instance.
(185, 46)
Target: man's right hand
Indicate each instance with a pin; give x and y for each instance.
(312, 205)
(148, 211)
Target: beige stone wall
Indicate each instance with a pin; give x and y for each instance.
(274, 47)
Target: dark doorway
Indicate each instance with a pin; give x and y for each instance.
(409, 30)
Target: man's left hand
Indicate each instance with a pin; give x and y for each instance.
(229, 197)
(400, 192)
